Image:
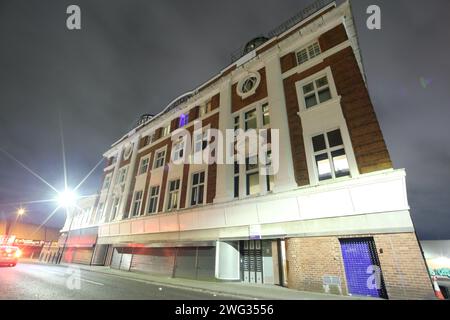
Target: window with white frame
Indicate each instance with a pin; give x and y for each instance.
(136, 207)
(236, 179)
(316, 92)
(252, 175)
(100, 214)
(265, 114)
(165, 130)
(250, 120)
(122, 175)
(143, 166)
(174, 190)
(178, 150)
(197, 189)
(107, 182)
(269, 177)
(308, 53)
(159, 159)
(205, 108)
(329, 155)
(200, 140)
(115, 207)
(153, 199)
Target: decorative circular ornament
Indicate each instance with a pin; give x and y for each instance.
(127, 152)
(247, 86)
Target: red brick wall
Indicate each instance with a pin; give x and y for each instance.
(402, 265)
(237, 103)
(368, 143)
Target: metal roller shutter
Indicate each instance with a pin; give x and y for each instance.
(100, 254)
(195, 263)
(78, 255)
(158, 261)
(116, 258)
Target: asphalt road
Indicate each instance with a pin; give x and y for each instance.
(52, 282)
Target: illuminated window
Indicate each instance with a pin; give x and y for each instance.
(308, 53)
(316, 92)
(174, 189)
(329, 155)
(159, 159)
(143, 167)
(197, 189)
(205, 108)
(184, 119)
(153, 199)
(165, 130)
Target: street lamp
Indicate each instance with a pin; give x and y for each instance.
(20, 212)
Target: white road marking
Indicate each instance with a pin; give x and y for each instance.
(93, 282)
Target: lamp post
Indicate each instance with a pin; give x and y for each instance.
(67, 200)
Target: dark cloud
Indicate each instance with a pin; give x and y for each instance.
(133, 57)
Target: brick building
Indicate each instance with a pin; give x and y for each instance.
(333, 218)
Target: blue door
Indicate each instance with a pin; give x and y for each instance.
(360, 257)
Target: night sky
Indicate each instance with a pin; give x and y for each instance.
(134, 56)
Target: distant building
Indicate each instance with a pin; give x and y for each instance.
(29, 237)
(333, 218)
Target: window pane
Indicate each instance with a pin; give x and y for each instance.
(253, 183)
(251, 163)
(236, 187)
(310, 101)
(324, 95)
(195, 179)
(341, 167)
(302, 56)
(236, 167)
(321, 82)
(308, 88)
(194, 196)
(323, 167)
(319, 143)
(335, 138)
(250, 124)
(270, 183)
(200, 194)
(202, 177)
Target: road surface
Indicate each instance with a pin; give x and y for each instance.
(38, 281)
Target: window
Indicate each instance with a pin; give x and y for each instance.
(115, 207)
(184, 119)
(236, 179)
(205, 108)
(165, 130)
(252, 175)
(146, 141)
(250, 120)
(174, 188)
(153, 199)
(329, 155)
(269, 178)
(159, 159)
(265, 114)
(248, 84)
(316, 92)
(201, 141)
(122, 175)
(198, 186)
(107, 182)
(143, 167)
(135, 210)
(178, 150)
(100, 215)
(236, 123)
(308, 53)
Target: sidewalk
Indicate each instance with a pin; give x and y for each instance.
(236, 289)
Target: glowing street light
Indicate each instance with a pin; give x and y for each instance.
(66, 199)
(20, 212)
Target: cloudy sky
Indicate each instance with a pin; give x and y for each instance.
(134, 56)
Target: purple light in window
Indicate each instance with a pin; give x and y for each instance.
(183, 120)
